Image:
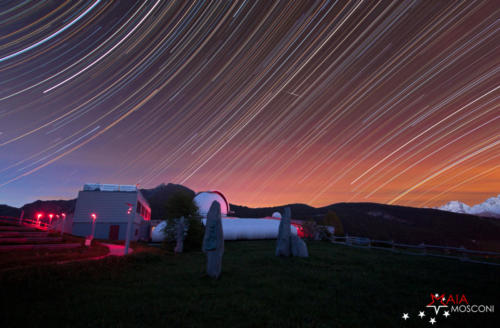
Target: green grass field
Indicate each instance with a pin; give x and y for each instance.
(11, 260)
(336, 286)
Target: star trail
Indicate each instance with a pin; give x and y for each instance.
(271, 102)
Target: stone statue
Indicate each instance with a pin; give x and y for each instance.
(283, 243)
(179, 246)
(298, 246)
(213, 241)
(287, 243)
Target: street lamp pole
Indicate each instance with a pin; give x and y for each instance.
(21, 218)
(129, 226)
(94, 217)
(63, 215)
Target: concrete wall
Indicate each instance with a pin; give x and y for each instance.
(102, 230)
(109, 206)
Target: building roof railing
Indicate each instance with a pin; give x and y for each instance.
(108, 187)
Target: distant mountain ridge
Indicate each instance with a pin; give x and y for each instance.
(489, 208)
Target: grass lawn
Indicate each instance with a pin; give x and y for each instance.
(336, 286)
(10, 260)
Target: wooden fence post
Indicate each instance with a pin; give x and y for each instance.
(464, 254)
(424, 250)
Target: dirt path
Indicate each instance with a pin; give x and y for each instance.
(114, 250)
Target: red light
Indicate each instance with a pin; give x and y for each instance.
(63, 215)
(93, 216)
(39, 216)
(51, 216)
(300, 230)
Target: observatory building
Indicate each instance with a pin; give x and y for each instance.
(205, 199)
(111, 205)
(233, 228)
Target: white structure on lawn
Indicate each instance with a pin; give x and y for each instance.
(234, 228)
(204, 200)
(110, 204)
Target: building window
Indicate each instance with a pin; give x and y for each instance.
(143, 211)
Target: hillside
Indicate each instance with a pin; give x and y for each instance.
(157, 198)
(399, 223)
(49, 206)
(6, 210)
(299, 211)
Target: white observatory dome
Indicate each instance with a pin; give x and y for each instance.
(204, 200)
(276, 215)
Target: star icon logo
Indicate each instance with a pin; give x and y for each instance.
(405, 316)
(437, 302)
(432, 321)
(421, 314)
(446, 314)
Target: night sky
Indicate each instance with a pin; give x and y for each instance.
(269, 102)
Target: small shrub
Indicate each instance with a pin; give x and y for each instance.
(193, 234)
(194, 237)
(182, 204)
(170, 231)
(315, 231)
(310, 230)
(331, 219)
(324, 233)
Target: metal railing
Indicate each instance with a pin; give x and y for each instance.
(28, 223)
(460, 253)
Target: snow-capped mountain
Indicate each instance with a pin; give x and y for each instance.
(490, 208)
(455, 206)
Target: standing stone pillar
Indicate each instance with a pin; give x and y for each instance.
(298, 246)
(283, 242)
(213, 241)
(179, 246)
